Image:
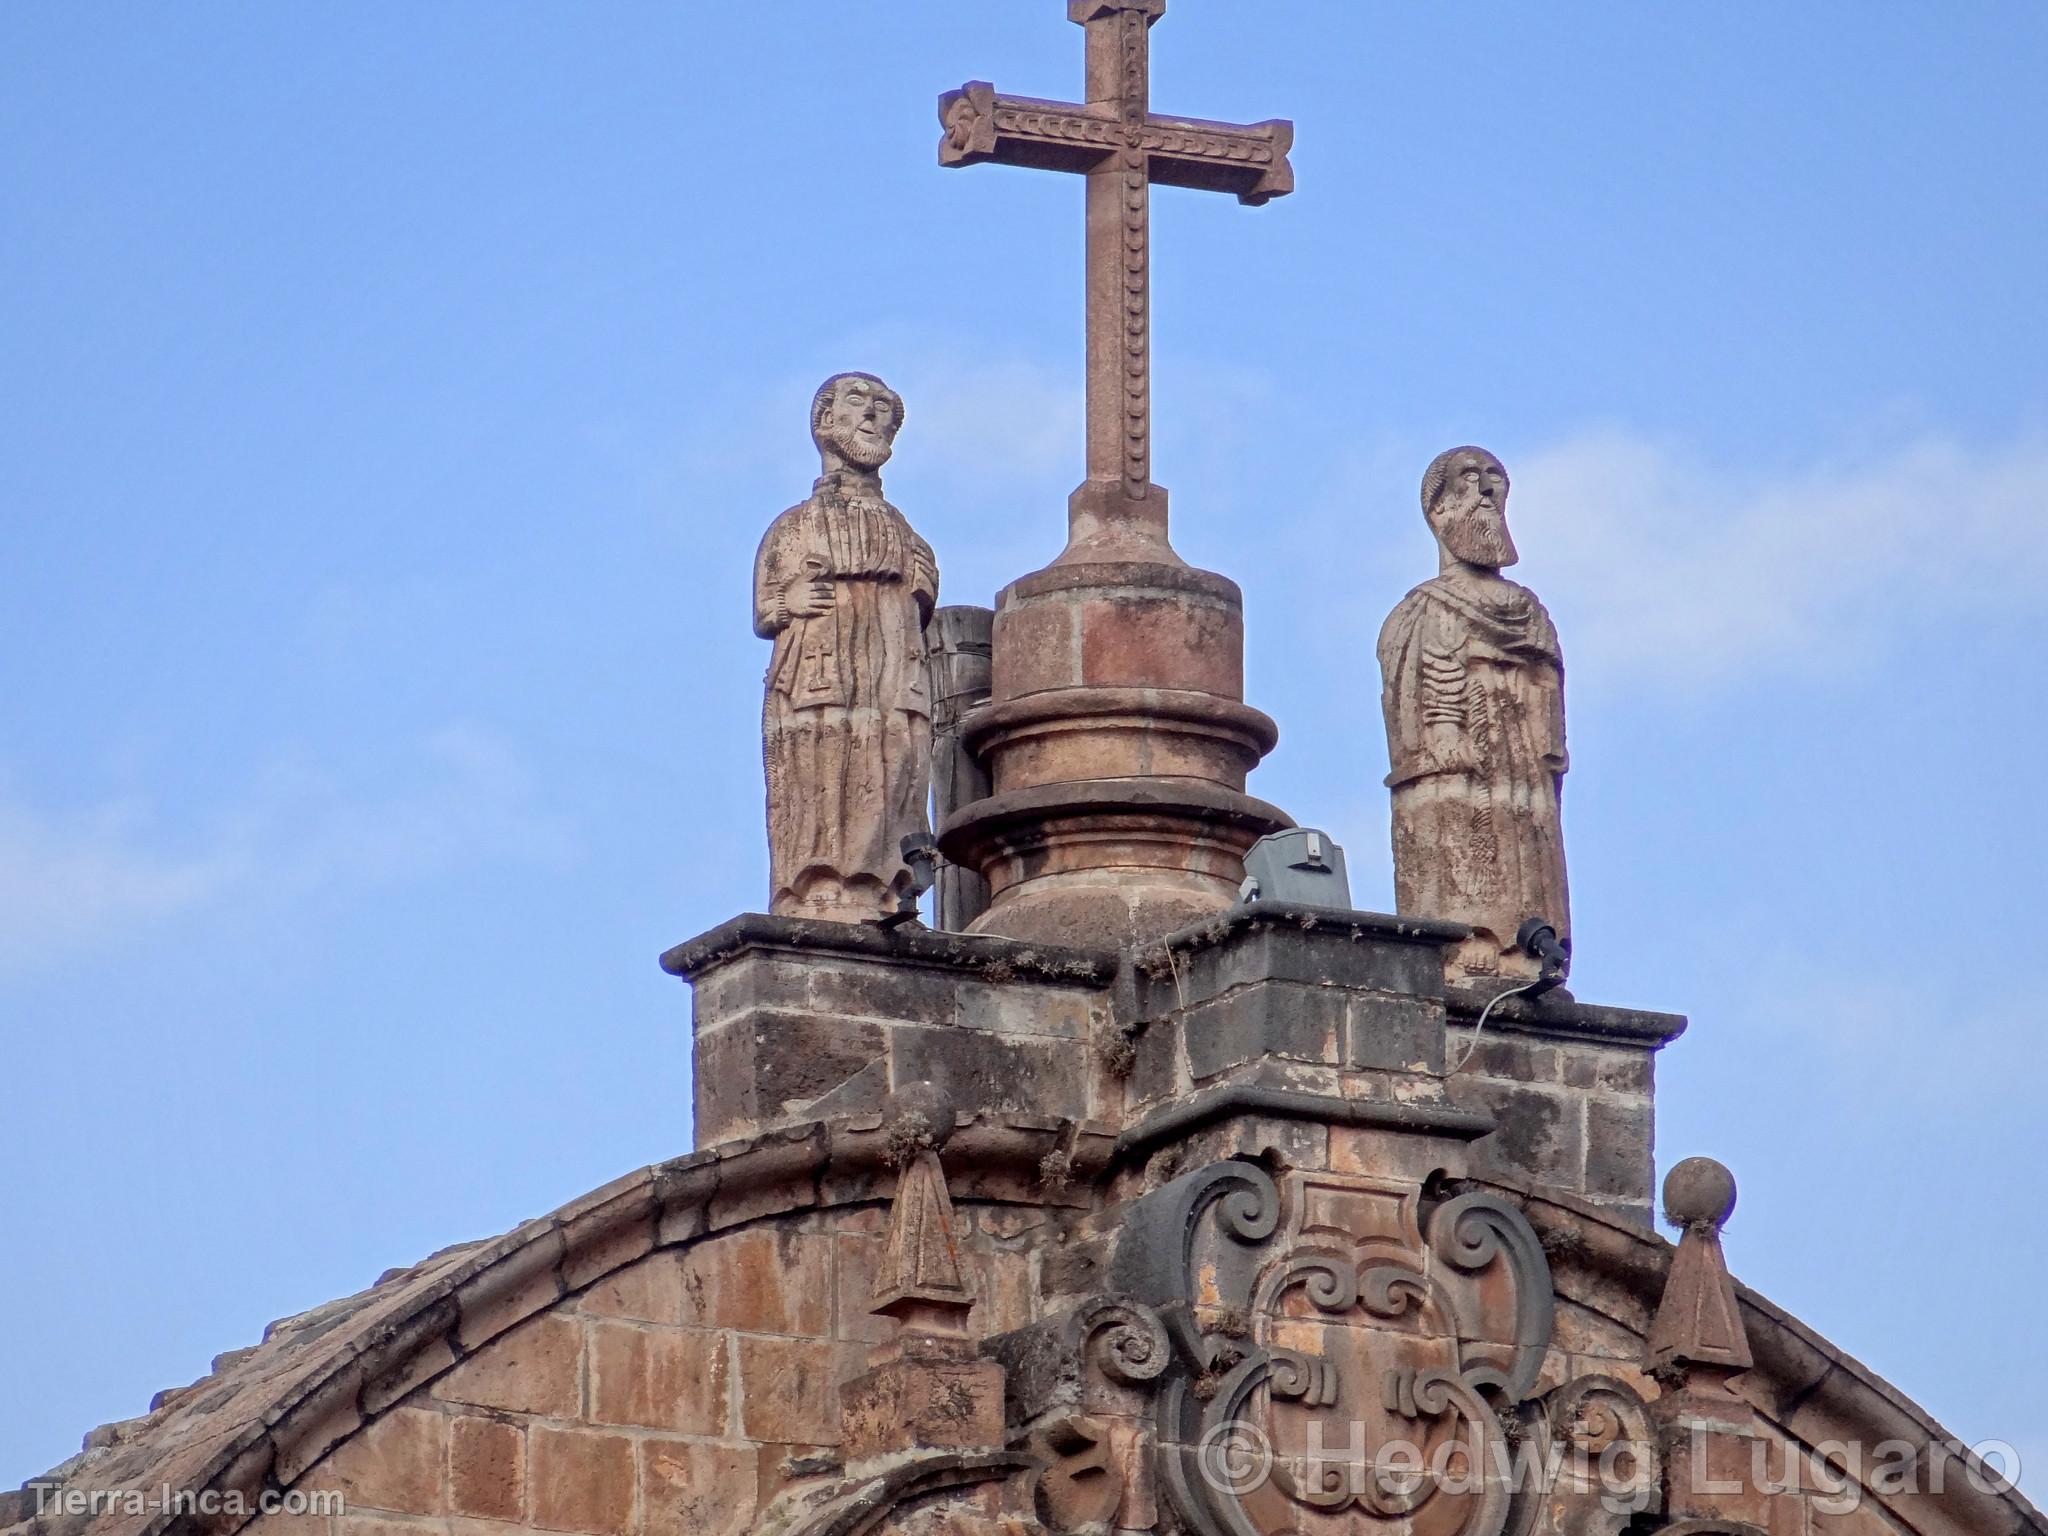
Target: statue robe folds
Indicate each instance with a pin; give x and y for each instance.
(846, 724)
(1473, 689)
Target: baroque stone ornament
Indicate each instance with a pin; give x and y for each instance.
(1345, 1350)
(922, 1279)
(1472, 685)
(845, 587)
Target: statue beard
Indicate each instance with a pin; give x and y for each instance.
(857, 454)
(1479, 536)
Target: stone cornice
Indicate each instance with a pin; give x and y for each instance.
(912, 944)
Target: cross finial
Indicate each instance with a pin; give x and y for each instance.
(1122, 147)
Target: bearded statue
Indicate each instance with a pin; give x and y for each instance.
(845, 587)
(1472, 684)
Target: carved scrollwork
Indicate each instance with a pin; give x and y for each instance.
(1319, 1326)
(1154, 1261)
(1476, 1230)
(1123, 1340)
(1603, 1464)
(969, 118)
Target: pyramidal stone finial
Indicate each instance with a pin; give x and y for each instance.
(923, 1280)
(1698, 1323)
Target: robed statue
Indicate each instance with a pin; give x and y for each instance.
(1473, 690)
(845, 588)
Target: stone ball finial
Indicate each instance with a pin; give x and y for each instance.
(1699, 1192)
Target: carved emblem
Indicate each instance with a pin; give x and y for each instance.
(1345, 1350)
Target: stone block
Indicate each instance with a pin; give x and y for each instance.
(869, 989)
(1511, 1058)
(397, 1462)
(1611, 1069)
(1017, 1008)
(859, 1260)
(788, 1390)
(650, 1291)
(764, 1066)
(762, 1281)
(750, 979)
(1312, 948)
(691, 1489)
(535, 1368)
(722, 1084)
(486, 1468)
(1618, 1149)
(913, 1403)
(1541, 1137)
(1269, 1019)
(1394, 1034)
(1143, 638)
(582, 1480)
(1046, 1077)
(658, 1378)
(1155, 1061)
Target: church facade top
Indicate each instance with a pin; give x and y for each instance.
(1121, 1205)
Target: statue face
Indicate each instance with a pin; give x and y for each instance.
(860, 424)
(1470, 518)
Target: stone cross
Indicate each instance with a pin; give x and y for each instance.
(1122, 147)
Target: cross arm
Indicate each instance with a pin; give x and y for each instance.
(1249, 161)
(1022, 130)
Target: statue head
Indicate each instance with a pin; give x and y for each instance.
(1465, 498)
(855, 418)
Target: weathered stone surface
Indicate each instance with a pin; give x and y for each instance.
(760, 1281)
(844, 588)
(658, 1378)
(789, 1390)
(487, 1468)
(1275, 1019)
(688, 1488)
(536, 1368)
(582, 1480)
(398, 1463)
(1541, 1135)
(1618, 1150)
(1473, 693)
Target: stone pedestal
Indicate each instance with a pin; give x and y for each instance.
(1117, 741)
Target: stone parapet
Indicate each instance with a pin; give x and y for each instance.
(1311, 1031)
(797, 1020)
(1572, 1086)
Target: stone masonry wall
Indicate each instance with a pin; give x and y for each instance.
(673, 1398)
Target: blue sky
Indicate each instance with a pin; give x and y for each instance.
(395, 395)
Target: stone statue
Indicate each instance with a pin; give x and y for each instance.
(1473, 690)
(844, 588)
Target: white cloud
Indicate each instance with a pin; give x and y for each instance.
(66, 881)
(1656, 564)
(71, 882)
